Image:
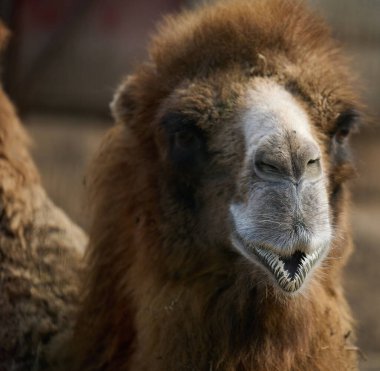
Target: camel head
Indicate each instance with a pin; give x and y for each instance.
(249, 123)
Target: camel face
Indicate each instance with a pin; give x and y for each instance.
(248, 171)
(281, 217)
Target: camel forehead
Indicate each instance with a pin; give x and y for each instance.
(255, 110)
(269, 109)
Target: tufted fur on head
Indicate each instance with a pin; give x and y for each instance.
(166, 287)
(40, 254)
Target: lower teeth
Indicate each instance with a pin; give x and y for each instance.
(289, 280)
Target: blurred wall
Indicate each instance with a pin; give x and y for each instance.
(356, 23)
(70, 54)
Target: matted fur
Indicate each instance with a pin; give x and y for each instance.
(40, 257)
(157, 299)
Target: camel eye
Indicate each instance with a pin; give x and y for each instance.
(342, 134)
(186, 140)
(187, 148)
(347, 122)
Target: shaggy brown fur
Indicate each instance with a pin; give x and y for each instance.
(40, 252)
(165, 290)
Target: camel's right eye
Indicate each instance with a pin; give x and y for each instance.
(187, 140)
(186, 155)
(187, 148)
(187, 143)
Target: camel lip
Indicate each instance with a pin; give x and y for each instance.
(289, 272)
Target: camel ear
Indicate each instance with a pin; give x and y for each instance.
(4, 36)
(124, 102)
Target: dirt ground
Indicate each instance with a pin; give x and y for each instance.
(63, 147)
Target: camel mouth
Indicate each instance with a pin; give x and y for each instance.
(289, 272)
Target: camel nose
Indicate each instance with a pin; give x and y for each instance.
(287, 157)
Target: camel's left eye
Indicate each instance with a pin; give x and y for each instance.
(346, 123)
(342, 134)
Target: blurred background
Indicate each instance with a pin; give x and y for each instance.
(66, 58)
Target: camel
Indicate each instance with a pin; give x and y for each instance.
(40, 256)
(219, 200)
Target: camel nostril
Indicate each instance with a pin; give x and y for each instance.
(313, 168)
(267, 167)
(277, 160)
(313, 162)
